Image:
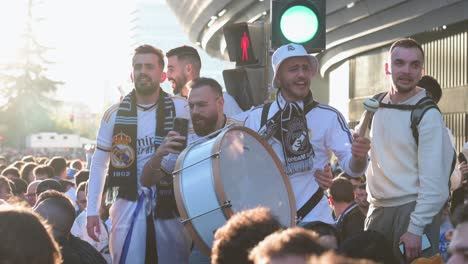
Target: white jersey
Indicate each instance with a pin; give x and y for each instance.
(170, 248)
(231, 107)
(328, 132)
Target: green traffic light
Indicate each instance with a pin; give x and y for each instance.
(299, 24)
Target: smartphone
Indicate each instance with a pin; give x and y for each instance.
(402, 248)
(425, 244)
(461, 157)
(181, 126)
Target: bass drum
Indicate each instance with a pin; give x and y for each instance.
(235, 171)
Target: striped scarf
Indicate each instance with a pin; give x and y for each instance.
(122, 176)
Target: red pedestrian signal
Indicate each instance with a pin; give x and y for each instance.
(245, 43)
(245, 46)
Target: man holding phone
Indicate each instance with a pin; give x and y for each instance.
(206, 111)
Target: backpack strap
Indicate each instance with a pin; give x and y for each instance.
(265, 110)
(379, 97)
(417, 114)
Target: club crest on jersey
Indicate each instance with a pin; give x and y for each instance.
(122, 154)
(296, 137)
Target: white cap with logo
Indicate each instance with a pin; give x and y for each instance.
(288, 51)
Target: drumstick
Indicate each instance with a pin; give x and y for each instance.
(371, 105)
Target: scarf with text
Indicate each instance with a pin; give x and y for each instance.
(122, 176)
(294, 134)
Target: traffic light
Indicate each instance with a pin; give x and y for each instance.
(298, 21)
(246, 45)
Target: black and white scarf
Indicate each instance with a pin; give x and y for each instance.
(289, 126)
(297, 150)
(122, 176)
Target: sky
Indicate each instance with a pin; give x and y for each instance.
(91, 43)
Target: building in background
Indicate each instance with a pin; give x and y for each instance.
(52, 140)
(358, 36)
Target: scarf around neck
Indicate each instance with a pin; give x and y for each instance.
(122, 175)
(294, 134)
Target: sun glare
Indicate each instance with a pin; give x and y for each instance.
(13, 15)
(89, 44)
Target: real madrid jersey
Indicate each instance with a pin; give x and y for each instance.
(328, 132)
(145, 145)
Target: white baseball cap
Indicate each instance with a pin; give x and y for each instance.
(288, 51)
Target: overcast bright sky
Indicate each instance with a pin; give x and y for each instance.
(90, 43)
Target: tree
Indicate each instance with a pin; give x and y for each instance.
(27, 90)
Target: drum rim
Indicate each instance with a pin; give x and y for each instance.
(219, 190)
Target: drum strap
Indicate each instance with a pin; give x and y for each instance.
(309, 205)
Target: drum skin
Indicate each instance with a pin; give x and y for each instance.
(237, 166)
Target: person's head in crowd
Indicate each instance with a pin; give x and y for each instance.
(76, 164)
(60, 166)
(18, 164)
(27, 172)
(11, 172)
(81, 176)
(394, 66)
(293, 71)
(368, 244)
(240, 234)
(42, 160)
(458, 247)
(31, 195)
(48, 184)
(20, 188)
(359, 189)
(292, 245)
(147, 79)
(206, 105)
(81, 196)
(58, 210)
(331, 257)
(328, 235)
(43, 172)
(28, 159)
(5, 188)
(3, 160)
(432, 87)
(340, 192)
(183, 65)
(25, 238)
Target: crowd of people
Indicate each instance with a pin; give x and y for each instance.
(386, 199)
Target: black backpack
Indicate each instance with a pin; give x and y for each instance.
(417, 111)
